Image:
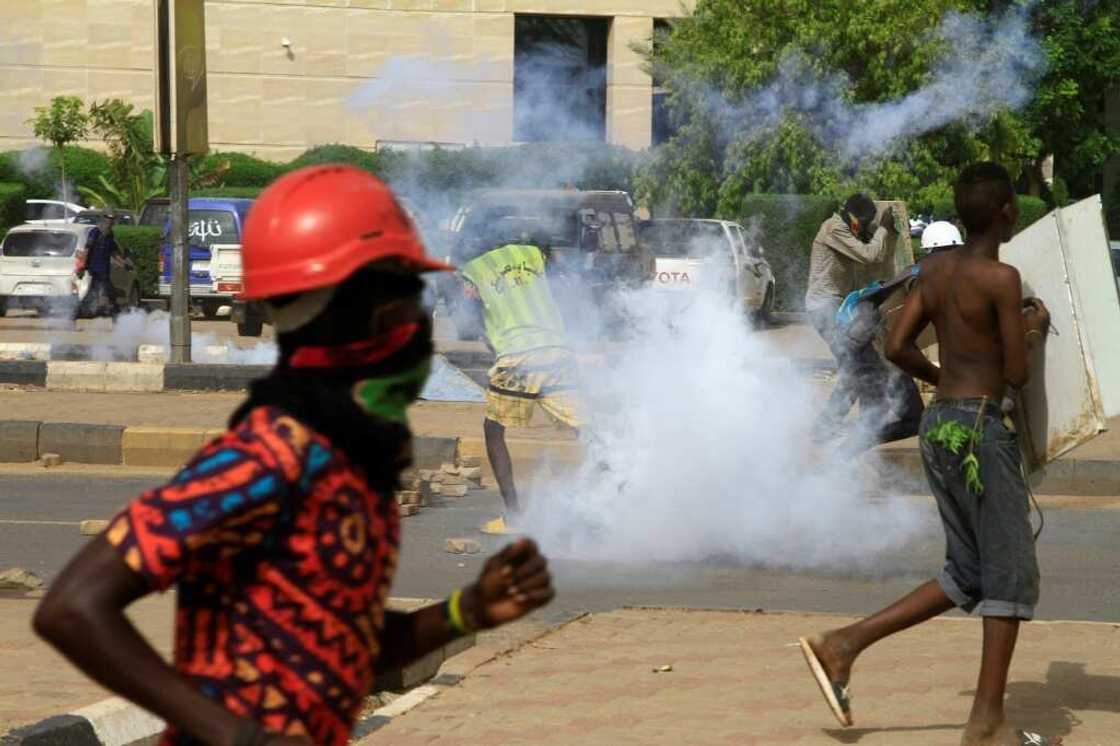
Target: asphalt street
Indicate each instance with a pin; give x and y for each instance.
(1078, 552)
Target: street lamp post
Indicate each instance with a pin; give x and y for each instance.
(181, 132)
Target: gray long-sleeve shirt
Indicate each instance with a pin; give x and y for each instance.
(837, 253)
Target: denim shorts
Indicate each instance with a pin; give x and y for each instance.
(990, 562)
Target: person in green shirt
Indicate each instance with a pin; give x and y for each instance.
(508, 283)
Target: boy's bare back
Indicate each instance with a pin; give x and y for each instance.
(975, 303)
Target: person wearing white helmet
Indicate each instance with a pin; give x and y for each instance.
(940, 236)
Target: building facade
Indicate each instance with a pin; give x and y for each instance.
(284, 75)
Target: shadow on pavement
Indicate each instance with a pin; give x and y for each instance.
(1049, 707)
(853, 735)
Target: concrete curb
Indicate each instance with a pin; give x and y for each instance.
(1068, 476)
(128, 377)
(23, 441)
(83, 374)
(23, 373)
(110, 722)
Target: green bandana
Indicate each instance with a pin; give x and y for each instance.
(389, 397)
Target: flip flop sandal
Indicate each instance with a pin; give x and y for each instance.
(836, 695)
(1032, 739)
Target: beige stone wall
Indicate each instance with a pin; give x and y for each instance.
(358, 71)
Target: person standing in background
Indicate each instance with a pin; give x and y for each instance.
(848, 240)
(101, 299)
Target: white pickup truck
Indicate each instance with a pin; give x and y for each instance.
(225, 272)
(710, 254)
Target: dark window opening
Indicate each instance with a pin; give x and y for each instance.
(662, 128)
(560, 78)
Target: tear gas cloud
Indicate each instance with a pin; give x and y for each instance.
(698, 445)
(988, 64)
(134, 328)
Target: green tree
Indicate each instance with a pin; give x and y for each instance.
(136, 171)
(1082, 42)
(719, 57)
(60, 124)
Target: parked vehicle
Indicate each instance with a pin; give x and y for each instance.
(39, 265)
(156, 211)
(94, 217)
(43, 211)
(715, 254)
(211, 221)
(225, 267)
(591, 238)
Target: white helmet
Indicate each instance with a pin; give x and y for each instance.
(941, 235)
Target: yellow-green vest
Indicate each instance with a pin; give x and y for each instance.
(517, 304)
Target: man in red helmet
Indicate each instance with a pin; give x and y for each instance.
(281, 536)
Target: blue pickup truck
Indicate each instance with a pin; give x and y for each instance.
(211, 221)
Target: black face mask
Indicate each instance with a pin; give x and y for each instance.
(861, 227)
(322, 377)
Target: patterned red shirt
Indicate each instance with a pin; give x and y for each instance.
(282, 556)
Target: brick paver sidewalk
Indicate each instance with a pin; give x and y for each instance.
(36, 682)
(736, 680)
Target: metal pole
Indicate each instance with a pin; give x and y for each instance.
(180, 263)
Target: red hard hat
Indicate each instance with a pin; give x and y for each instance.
(315, 227)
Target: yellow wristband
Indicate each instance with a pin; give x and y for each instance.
(455, 613)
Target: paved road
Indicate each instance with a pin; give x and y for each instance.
(1079, 556)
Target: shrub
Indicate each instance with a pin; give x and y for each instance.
(786, 225)
(1031, 209)
(243, 170)
(378, 162)
(143, 243)
(38, 169)
(11, 204)
(229, 191)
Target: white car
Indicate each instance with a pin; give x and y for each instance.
(690, 253)
(46, 211)
(225, 269)
(39, 265)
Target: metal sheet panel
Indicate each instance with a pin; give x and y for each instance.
(1060, 407)
(1085, 241)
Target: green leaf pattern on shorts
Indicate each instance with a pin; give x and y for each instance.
(955, 437)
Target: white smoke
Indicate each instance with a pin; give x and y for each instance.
(699, 445)
(698, 442)
(34, 163)
(121, 337)
(988, 64)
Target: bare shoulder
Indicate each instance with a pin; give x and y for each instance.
(1002, 278)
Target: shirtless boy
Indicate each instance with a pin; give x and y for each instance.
(971, 458)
